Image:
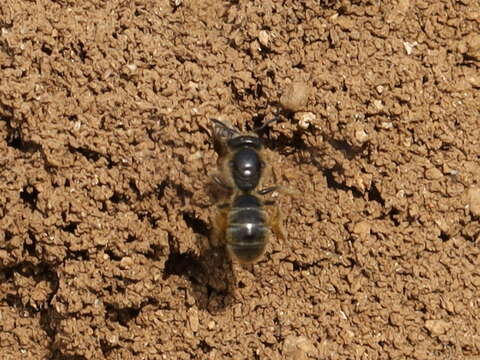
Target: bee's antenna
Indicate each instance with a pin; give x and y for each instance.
(271, 121)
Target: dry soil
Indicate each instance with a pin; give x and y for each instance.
(106, 203)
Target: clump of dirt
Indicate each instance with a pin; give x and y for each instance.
(105, 196)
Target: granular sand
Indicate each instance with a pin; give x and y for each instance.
(105, 198)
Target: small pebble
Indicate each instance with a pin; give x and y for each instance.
(473, 79)
(295, 97)
(263, 38)
(132, 67)
(361, 136)
(437, 327)
(305, 119)
(409, 47)
(126, 262)
(211, 325)
(362, 228)
(378, 104)
(433, 174)
(473, 201)
(297, 347)
(193, 319)
(472, 42)
(403, 5)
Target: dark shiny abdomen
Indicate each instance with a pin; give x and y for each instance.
(247, 232)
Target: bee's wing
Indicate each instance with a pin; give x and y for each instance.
(276, 224)
(222, 132)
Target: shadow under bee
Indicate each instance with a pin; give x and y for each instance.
(217, 286)
(209, 271)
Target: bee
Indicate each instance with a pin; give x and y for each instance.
(242, 222)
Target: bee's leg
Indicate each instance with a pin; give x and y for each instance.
(268, 190)
(289, 191)
(219, 188)
(276, 220)
(219, 225)
(219, 180)
(223, 176)
(266, 123)
(277, 224)
(271, 176)
(280, 189)
(268, 176)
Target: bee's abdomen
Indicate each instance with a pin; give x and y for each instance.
(247, 231)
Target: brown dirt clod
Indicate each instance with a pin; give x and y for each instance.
(295, 97)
